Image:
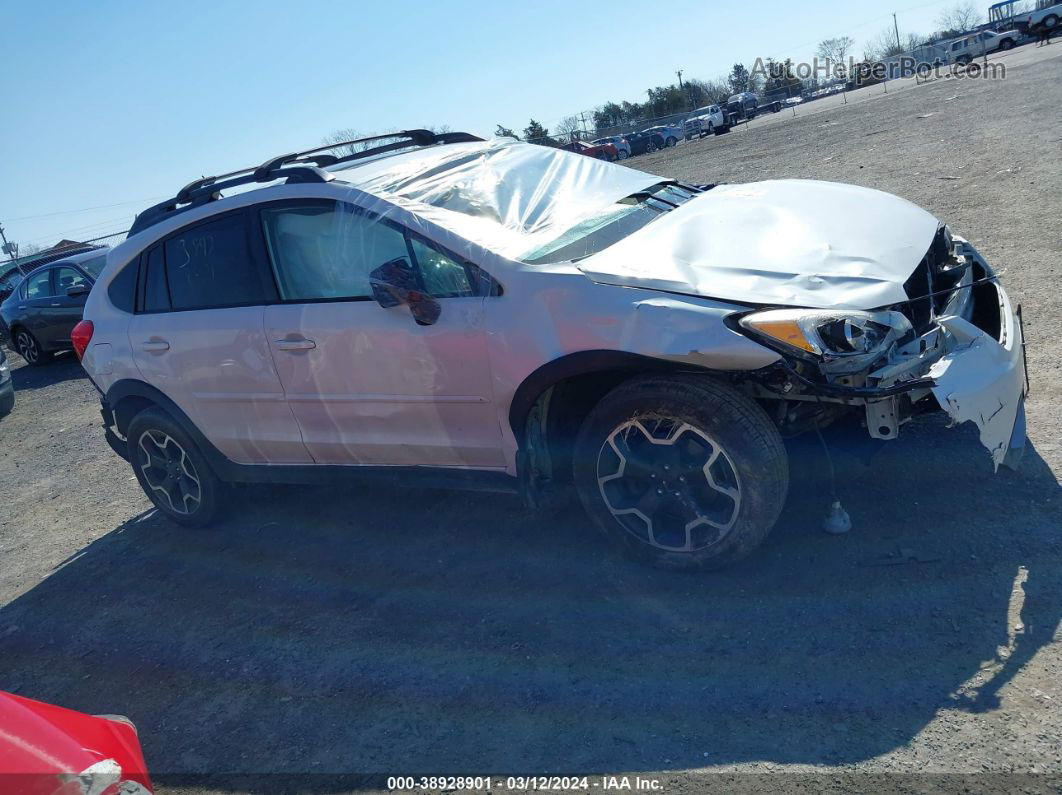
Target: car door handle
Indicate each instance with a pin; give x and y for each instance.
(57, 304)
(155, 346)
(295, 344)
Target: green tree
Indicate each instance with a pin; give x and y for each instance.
(609, 115)
(738, 79)
(535, 133)
(505, 132)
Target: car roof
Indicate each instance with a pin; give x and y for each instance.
(73, 259)
(483, 191)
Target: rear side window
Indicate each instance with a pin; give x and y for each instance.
(211, 265)
(122, 289)
(156, 295)
(39, 285)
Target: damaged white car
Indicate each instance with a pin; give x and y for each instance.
(500, 314)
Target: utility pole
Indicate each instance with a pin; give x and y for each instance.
(679, 73)
(11, 249)
(896, 28)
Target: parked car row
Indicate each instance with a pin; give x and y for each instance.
(40, 313)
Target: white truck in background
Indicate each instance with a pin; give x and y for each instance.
(975, 45)
(706, 121)
(1012, 14)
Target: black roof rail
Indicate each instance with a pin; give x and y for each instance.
(306, 166)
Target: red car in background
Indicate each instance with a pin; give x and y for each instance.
(600, 151)
(49, 750)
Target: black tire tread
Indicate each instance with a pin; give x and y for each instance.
(214, 490)
(736, 409)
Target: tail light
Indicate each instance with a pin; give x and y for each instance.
(80, 337)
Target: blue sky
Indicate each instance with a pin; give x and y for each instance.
(112, 105)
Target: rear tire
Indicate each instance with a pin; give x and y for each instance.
(172, 471)
(1006, 44)
(30, 349)
(682, 471)
(1050, 21)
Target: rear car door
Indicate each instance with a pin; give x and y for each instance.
(368, 384)
(197, 336)
(64, 311)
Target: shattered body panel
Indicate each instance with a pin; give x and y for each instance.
(780, 242)
(982, 380)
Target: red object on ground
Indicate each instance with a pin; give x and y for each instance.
(49, 750)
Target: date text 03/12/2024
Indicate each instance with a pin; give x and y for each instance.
(523, 783)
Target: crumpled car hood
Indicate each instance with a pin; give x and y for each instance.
(787, 242)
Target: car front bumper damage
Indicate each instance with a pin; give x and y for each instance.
(975, 376)
(972, 364)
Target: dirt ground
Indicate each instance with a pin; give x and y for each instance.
(376, 631)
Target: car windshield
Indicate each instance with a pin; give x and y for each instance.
(598, 232)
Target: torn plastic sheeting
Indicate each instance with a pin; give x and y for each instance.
(507, 196)
(981, 382)
(789, 242)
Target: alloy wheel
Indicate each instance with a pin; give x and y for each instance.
(669, 484)
(27, 347)
(169, 472)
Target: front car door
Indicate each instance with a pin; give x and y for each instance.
(35, 296)
(367, 384)
(197, 336)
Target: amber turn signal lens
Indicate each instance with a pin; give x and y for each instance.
(787, 331)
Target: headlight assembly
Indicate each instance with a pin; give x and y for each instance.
(827, 333)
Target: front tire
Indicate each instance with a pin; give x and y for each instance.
(681, 471)
(1006, 44)
(171, 470)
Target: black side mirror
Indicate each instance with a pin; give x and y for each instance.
(395, 282)
(78, 290)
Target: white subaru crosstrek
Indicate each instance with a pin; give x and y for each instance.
(500, 314)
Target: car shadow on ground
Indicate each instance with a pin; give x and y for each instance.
(377, 630)
(65, 367)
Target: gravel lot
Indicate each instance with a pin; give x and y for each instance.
(376, 631)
